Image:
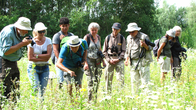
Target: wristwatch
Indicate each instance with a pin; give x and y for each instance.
(36, 56)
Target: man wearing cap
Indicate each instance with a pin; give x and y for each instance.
(11, 42)
(135, 43)
(114, 49)
(72, 58)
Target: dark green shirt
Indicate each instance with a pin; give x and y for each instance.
(166, 50)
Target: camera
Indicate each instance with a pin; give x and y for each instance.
(114, 49)
(100, 54)
(79, 64)
(30, 37)
(149, 43)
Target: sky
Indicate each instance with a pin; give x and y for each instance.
(177, 3)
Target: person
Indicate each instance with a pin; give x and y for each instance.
(12, 41)
(176, 48)
(114, 49)
(164, 55)
(56, 40)
(38, 55)
(137, 46)
(94, 59)
(72, 59)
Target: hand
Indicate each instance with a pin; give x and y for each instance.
(126, 62)
(86, 66)
(116, 60)
(61, 37)
(157, 59)
(142, 43)
(26, 41)
(112, 62)
(72, 73)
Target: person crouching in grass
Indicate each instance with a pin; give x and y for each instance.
(71, 59)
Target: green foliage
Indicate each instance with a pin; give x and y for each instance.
(172, 95)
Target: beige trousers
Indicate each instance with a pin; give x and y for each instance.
(109, 72)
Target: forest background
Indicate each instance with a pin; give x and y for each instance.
(153, 20)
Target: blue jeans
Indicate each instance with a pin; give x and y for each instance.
(60, 74)
(38, 77)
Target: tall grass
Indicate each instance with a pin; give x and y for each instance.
(172, 95)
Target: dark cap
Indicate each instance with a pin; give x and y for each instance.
(116, 26)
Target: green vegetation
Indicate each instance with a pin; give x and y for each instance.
(168, 96)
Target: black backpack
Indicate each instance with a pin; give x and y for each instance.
(156, 47)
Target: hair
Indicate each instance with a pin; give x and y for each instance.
(64, 20)
(93, 25)
(35, 32)
(177, 28)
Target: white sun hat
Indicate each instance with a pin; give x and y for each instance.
(74, 41)
(23, 23)
(175, 28)
(40, 26)
(171, 33)
(132, 27)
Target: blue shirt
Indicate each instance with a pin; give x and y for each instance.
(70, 58)
(8, 38)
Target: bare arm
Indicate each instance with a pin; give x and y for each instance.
(14, 48)
(160, 49)
(56, 50)
(48, 55)
(41, 57)
(60, 65)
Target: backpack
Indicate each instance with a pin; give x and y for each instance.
(64, 40)
(108, 39)
(156, 47)
(53, 55)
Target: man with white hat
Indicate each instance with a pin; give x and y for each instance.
(135, 44)
(72, 59)
(114, 49)
(11, 42)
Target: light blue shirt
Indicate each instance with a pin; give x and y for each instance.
(8, 38)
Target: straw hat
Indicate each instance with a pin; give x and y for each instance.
(74, 41)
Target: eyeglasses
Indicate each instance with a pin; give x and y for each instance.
(131, 32)
(41, 31)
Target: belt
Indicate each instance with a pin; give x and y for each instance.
(43, 64)
(113, 55)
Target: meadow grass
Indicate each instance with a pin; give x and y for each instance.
(172, 95)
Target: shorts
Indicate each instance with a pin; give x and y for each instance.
(77, 79)
(164, 62)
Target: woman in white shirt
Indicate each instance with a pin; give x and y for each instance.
(38, 56)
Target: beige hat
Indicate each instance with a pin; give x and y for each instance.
(23, 23)
(171, 33)
(74, 41)
(40, 26)
(132, 27)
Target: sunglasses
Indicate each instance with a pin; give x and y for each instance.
(132, 32)
(41, 31)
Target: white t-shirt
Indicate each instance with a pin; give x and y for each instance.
(38, 49)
